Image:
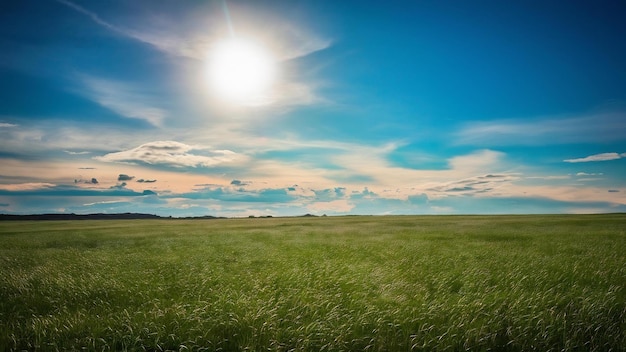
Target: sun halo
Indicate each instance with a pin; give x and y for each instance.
(241, 72)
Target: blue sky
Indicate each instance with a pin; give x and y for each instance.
(396, 107)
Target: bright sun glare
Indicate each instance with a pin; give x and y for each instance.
(241, 71)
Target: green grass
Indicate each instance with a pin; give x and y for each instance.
(440, 283)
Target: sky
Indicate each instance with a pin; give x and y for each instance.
(327, 107)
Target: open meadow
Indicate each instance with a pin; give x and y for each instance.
(362, 283)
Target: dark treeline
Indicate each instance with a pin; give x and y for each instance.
(79, 216)
(117, 216)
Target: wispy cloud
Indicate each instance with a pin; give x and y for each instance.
(605, 127)
(7, 125)
(92, 15)
(106, 202)
(597, 157)
(334, 206)
(76, 153)
(26, 186)
(194, 40)
(474, 185)
(476, 161)
(173, 154)
(589, 174)
(124, 99)
(159, 40)
(198, 38)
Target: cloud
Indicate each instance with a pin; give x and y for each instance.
(335, 206)
(597, 157)
(105, 202)
(287, 39)
(476, 161)
(92, 15)
(7, 125)
(489, 183)
(240, 195)
(613, 190)
(26, 186)
(124, 177)
(193, 40)
(141, 180)
(239, 183)
(124, 99)
(589, 174)
(92, 181)
(23, 190)
(604, 127)
(173, 154)
(76, 153)
(119, 186)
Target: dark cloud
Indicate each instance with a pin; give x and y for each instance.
(614, 190)
(119, 186)
(207, 185)
(93, 181)
(124, 177)
(239, 183)
(4, 204)
(148, 192)
(141, 180)
(474, 185)
(86, 168)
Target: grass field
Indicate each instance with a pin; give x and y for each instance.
(453, 283)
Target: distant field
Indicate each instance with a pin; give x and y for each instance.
(435, 283)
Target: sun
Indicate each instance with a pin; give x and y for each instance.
(241, 72)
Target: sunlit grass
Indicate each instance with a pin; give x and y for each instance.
(507, 283)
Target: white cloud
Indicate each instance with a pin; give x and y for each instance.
(76, 153)
(477, 161)
(105, 202)
(337, 206)
(7, 125)
(174, 154)
(597, 157)
(602, 127)
(548, 177)
(194, 39)
(124, 99)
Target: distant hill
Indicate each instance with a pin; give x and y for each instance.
(117, 216)
(79, 216)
